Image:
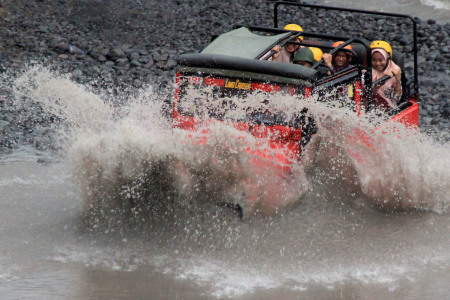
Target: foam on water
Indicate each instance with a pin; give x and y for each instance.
(227, 279)
(438, 10)
(437, 4)
(131, 165)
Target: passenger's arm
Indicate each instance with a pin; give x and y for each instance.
(276, 52)
(328, 58)
(398, 81)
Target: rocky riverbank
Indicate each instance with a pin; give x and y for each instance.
(130, 43)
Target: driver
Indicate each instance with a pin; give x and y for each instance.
(307, 57)
(304, 57)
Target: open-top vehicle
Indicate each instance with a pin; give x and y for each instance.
(234, 66)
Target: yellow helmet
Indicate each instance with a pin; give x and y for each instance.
(383, 45)
(317, 53)
(294, 27)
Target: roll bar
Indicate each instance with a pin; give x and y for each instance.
(323, 36)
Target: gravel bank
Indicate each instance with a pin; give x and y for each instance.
(134, 42)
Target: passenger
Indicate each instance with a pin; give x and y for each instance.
(304, 57)
(339, 60)
(287, 52)
(307, 57)
(389, 93)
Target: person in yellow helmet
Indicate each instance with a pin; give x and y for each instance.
(287, 52)
(382, 45)
(389, 93)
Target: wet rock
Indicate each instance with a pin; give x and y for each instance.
(143, 60)
(95, 70)
(161, 57)
(121, 62)
(109, 63)
(63, 47)
(171, 63)
(101, 58)
(381, 22)
(75, 50)
(133, 56)
(137, 83)
(149, 64)
(116, 53)
(104, 51)
(135, 63)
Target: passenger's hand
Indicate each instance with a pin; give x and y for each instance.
(277, 50)
(397, 74)
(327, 58)
(398, 77)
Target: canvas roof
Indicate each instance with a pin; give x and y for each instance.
(242, 43)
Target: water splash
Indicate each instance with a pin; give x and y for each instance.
(61, 97)
(130, 162)
(393, 168)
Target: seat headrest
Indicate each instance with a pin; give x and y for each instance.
(399, 59)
